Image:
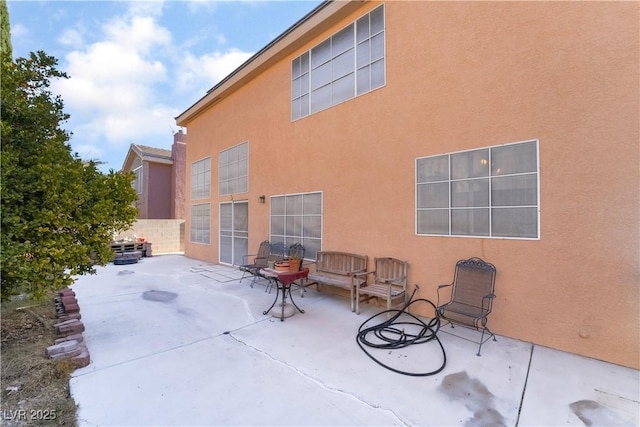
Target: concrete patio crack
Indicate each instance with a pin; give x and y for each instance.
(320, 382)
(524, 388)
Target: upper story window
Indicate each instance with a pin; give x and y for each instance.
(348, 64)
(233, 170)
(138, 172)
(489, 192)
(201, 179)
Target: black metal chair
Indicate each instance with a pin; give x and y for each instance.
(294, 253)
(472, 295)
(260, 260)
(277, 252)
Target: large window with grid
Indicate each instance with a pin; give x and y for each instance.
(297, 218)
(233, 170)
(488, 192)
(201, 179)
(348, 64)
(200, 229)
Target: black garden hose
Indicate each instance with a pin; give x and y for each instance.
(393, 335)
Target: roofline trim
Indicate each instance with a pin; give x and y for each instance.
(216, 93)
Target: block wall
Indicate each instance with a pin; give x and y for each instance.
(165, 235)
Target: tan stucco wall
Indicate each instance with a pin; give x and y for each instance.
(463, 76)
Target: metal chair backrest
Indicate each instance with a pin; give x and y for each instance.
(296, 251)
(263, 254)
(277, 252)
(474, 279)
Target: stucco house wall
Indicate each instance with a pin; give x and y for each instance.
(159, 191)
(460, 76)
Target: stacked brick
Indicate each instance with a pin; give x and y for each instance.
(70, 342)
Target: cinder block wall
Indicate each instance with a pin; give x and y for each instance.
(165, 235)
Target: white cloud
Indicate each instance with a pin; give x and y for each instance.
(145, 8)
(71, 37)
(113, 84)
(129, 83)
(89, 152)
(19, 30)
(199, 73)
(196, 6)
(139, 33)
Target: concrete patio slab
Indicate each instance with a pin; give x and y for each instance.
(175, 341)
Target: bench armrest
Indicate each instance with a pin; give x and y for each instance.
(393, 281)
(361, 273)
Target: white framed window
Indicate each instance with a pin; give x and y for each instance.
(137, 181)
(200, 229)
(297, 218)
(348, 64)
(138, 173)
(233, 170)
(487, 192)
(201, 179)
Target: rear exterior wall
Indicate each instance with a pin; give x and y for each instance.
(459, 76)
(159, 191)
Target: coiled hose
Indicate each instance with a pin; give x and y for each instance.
(391, 334)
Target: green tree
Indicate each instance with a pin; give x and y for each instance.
(58, 212)
(5, 30)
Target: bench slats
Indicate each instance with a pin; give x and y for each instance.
(337, 269)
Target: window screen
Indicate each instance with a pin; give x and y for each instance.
(488, 192)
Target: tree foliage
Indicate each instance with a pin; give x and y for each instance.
(5, 30)
(59, 213)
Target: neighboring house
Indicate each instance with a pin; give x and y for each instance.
(159, 178)
(437, 131)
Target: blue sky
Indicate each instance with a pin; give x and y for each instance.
(135, 65)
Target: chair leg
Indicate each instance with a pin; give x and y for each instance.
(482, 341)
(300, 285)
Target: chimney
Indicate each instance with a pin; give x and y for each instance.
(179, 155)
(180, 137)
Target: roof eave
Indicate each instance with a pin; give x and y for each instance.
(297, 34)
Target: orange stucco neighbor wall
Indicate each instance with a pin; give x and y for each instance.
(459, 76)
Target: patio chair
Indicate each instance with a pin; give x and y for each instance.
(294, 252)
(259, 261)
(277, 252)
(387, 282)
(472, 295)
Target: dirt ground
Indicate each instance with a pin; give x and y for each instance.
(35, 389)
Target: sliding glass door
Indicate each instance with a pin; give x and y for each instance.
(234, 232)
